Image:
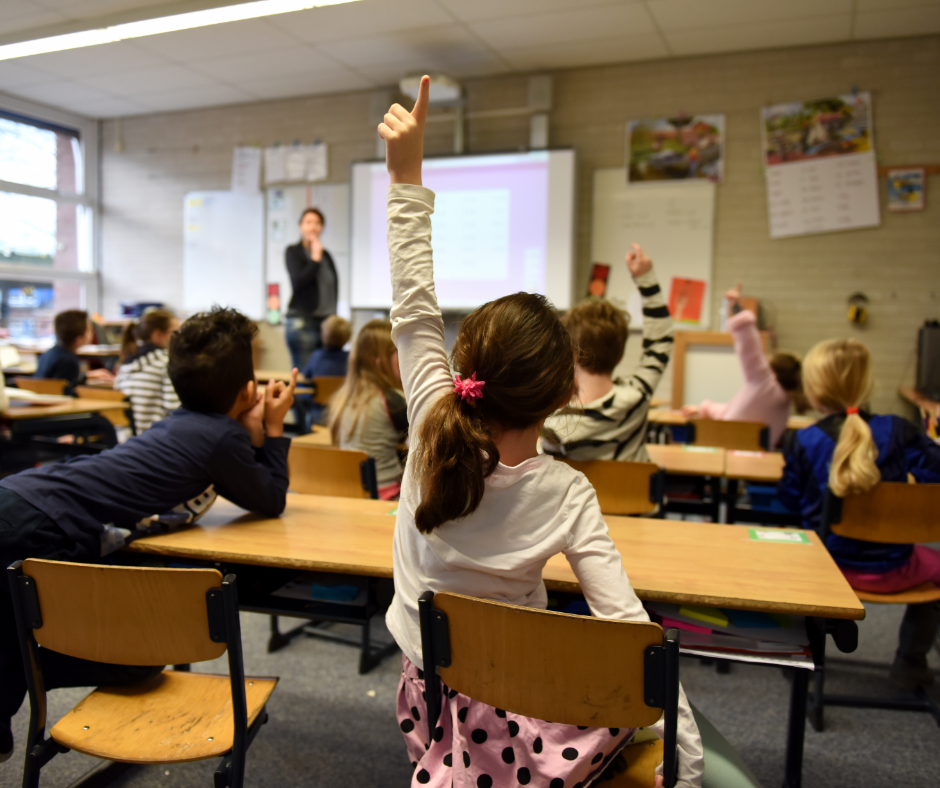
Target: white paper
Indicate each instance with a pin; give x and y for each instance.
(823, 195)
(274, 166)
(317, 159)
(295, 168)
(246, 170)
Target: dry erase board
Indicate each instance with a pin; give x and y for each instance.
(673, 222)
(223, 252)
(284, 206)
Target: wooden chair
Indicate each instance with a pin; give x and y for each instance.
(132, 616)
(737, 435)
(324, 388)
(343, 473)
(42, 385)
(119, 417)
(577, 670)
(625, 487)
(889, 513)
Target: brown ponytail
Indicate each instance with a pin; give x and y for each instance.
(142, 330)
(837, 375)
(789, 373)
(519, 348)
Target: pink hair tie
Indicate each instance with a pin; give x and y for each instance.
(850, 411)
(469, 388)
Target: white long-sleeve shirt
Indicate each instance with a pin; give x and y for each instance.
(528, 513)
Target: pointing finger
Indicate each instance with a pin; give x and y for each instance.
(420, 111)
(293, 381)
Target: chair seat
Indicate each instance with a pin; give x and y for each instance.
(173, 718)
(918, 595)
(642, 760)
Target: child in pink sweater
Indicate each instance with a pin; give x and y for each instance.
(770, 385)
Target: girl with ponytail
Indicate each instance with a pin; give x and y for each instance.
(850, 451)
(481, 511)
(143, 372)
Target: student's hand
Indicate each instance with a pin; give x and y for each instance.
(403, 133)
(637, 261)
(278, 398)
(733, 295)
(659, 782)
(689, 411)
(253, 420)
(99, 374)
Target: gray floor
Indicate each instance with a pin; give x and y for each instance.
(327, 730)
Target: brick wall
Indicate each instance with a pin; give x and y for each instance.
(803, 282)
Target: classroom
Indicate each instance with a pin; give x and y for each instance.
(642, 295)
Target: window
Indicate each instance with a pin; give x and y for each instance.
(48, 208)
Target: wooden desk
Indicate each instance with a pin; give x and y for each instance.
(918, 400)
(689, 460)
(755, 466)
(318, 436)
(264, 375)
(61, 409)
(675, 418)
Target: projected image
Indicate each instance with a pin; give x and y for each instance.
(501, 224)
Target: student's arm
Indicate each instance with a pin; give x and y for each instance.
(657, 325)
(748, 347)
(417, 325)
(921, 454)
(711, 410)
(302, 272)
(254, 478)
(599, 568)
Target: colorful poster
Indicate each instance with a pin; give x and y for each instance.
(906, 189)
(804, 130)
(685, 300)
(676, 149)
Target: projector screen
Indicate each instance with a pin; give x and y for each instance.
(502, 223)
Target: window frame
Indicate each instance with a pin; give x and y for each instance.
(88, 196)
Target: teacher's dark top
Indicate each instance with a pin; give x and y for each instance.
(314, 284)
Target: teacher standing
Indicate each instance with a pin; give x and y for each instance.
(314, 283)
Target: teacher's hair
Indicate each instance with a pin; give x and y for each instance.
(523, 353)
(317, 211)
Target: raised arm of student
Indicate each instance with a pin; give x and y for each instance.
(598, 566)
(657, 324)
(417, 325)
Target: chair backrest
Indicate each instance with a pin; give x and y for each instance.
(321, 470)
(123, 615)
(736, 435)
(891, 512)
(42, 385)
(325, 388)
(119, 416)
(624, 487)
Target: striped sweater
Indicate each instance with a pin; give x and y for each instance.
(146, 381)
(613, 427)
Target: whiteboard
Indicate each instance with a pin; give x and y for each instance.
(673, 222)
(711, 372)
(284, 206)
(223, 252)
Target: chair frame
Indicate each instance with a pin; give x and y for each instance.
(224, 627)
(832, 514)
(660, 675)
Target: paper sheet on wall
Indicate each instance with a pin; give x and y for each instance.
(296, 164)
(275, 166)
(246, 170)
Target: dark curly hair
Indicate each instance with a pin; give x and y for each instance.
(210, 359)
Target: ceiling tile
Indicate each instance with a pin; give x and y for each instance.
(113, 108)
(759, 36)
(477, 10)
(582, 53)
(169, 100)
(886, 5)
(566, 26)
(202, 43)
(304, 84)
(430, 44)
(364, 18)
(464, 66)
(62, 93)
(14, 74)
(88, 61)
(694, 14)
(296, 60)
(19, 16)
(898, 22)
(129, 83)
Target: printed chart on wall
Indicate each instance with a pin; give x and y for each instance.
(819, 159)
(283, 207)
(675, 225)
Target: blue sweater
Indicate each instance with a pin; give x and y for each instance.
(326, 362)
(901, 450)
(167, 468)
(58, 362)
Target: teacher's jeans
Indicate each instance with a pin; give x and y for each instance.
(303, 337)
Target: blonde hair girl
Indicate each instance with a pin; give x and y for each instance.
(368, 412)
(850, 451)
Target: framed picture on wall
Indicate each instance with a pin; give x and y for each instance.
(906, 189)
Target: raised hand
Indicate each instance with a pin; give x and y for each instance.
(637, 261)
(403, 133)
(278, 398)
(689, 411)
(733, 295)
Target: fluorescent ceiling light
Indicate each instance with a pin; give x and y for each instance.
(165, 24)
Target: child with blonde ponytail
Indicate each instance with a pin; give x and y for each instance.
(850, 451)
(481, 511)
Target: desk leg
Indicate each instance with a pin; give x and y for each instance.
(796, 729)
